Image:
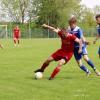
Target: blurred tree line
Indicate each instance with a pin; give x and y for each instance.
(31, 14)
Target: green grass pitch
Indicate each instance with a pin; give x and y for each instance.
(17, 78)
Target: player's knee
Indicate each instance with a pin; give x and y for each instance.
(47, 61)
(61, 62)
(79, 63)
(85, 57)
(59, 67)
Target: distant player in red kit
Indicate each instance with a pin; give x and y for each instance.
(1, 46)
(16, 35)
(64, 54)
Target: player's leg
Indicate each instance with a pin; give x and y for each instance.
(78, 58)
(83, 67)
(18, 40)
(45, 64)
(91, 64)
(1, 46)
(57, 69)
(86, 58)
(54, 56)
(15, 41)
(63, 58)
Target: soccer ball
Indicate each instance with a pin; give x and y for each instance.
(38, 75)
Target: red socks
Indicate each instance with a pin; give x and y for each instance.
(55, 72)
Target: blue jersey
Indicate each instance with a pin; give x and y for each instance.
(77, 32)
(98, 29)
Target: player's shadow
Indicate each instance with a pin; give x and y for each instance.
(65, 77)
(47, 78)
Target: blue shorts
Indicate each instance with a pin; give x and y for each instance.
(99, 51)
(77, 55)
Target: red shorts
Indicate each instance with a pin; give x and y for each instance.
(61, 54)
(17, 37)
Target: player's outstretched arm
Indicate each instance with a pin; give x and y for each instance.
(84, 40)
(51, 28)
(96, 39)
(80, 44)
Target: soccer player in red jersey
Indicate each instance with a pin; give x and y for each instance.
(16, 35)
(64, 54)
(1, 46)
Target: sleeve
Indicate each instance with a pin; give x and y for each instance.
(99, 31)
(60, 34)
(73, 37)
(80, 33)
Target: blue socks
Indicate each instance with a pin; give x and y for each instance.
(84, 69)
(91, 64)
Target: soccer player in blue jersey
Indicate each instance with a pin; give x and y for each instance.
(97, 17)
(77, 31)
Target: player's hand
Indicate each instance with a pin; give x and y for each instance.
(44, 25)
(58, 28)
(79, 51)
(87, 43)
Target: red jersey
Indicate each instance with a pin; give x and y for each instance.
(16, 32)
(67, 41)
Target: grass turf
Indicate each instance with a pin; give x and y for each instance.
(17, 78)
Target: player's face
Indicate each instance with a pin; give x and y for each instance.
(64, 34)
(72, 25)
(17, 27)
(98, 20)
